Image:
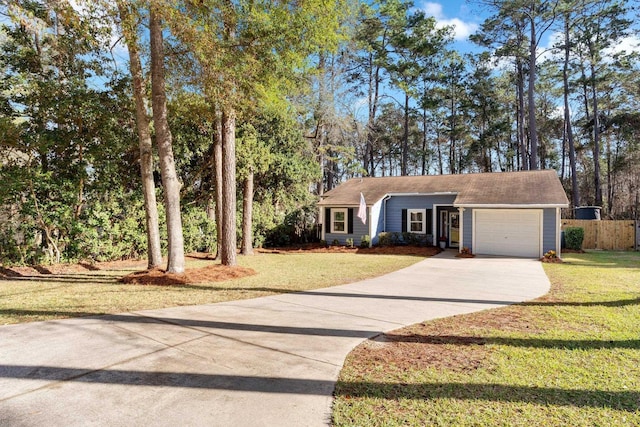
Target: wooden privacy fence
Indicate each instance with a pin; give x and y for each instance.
(606, 234)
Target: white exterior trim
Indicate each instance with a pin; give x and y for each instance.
(508, 206)
(461, 242)
(334, 211)
(424, 220)
(558, 230)
(436, 221)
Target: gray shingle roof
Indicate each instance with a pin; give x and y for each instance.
(541, 188)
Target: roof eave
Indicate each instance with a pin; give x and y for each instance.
(510, 205)
(436, 193)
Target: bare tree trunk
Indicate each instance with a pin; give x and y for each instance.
(610, 180)
(217, 166)
(228, 240)
(596, 134)
(154, 253)
(533, 129)
(247, 215)
(373, 96)
(320, 127)
(524, 162)
(405, 138)
(575, 189)
(439, 147)
(452, 136)
(176, 263)
(424, 141)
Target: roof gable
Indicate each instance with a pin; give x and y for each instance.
(540, 188)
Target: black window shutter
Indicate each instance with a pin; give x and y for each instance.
(350, 230)
(429, 221)
(327, 220)
(404, 220)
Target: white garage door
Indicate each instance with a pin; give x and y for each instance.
(510, 232)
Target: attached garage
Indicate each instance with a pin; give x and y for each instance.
(508, 232)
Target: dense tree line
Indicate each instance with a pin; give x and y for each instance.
(227, 120)
(518, 103)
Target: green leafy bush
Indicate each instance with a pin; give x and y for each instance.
(573, 237)
(365, 241)
(199, 232)
(387, 238)
(406, 238)
(298, 226)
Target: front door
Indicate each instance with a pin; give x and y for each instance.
(444, 226)
(454, 229)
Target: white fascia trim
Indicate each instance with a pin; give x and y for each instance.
(443, 193)
(507, 206)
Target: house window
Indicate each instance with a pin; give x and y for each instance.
(339, 221)
(416, 220)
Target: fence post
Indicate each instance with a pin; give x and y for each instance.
(637, 247)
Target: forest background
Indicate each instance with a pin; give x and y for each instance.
(247, 112)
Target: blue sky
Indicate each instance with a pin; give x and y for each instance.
(464, 17)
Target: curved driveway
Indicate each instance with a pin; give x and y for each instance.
(270, 361)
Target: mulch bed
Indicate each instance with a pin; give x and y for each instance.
(192, 276)
(425, 251)
(463, 255)
(551, 260)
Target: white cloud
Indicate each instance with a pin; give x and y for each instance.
(628, 44)
(433, 9)
(461, 29)
(547, 52)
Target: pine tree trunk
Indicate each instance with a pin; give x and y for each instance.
(424, 142)
(575, 189)
(217, 166)
(524, 158)
(533, 130)
(228, 240)
(405, 138)
(154, 253)
(170, 183)
(596, 137)
(247, 215)
(439, 147)
(373, 95)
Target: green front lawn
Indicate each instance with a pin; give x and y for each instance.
(570, 358)
(90, 292)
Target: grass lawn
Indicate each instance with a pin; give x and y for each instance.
(571, 358)
(90, 292)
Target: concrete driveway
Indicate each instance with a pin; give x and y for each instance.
(269, 361)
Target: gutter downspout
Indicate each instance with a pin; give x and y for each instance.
(384, 215)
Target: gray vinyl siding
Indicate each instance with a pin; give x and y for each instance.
(467, 229)
(396, 204)
(549, 230)
(359, 230)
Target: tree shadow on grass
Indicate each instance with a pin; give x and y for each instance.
(544, 396)
(615, 303)
(513, 342)
(64, 278)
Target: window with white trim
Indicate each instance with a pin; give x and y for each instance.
(339, 221)
(416, 221)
